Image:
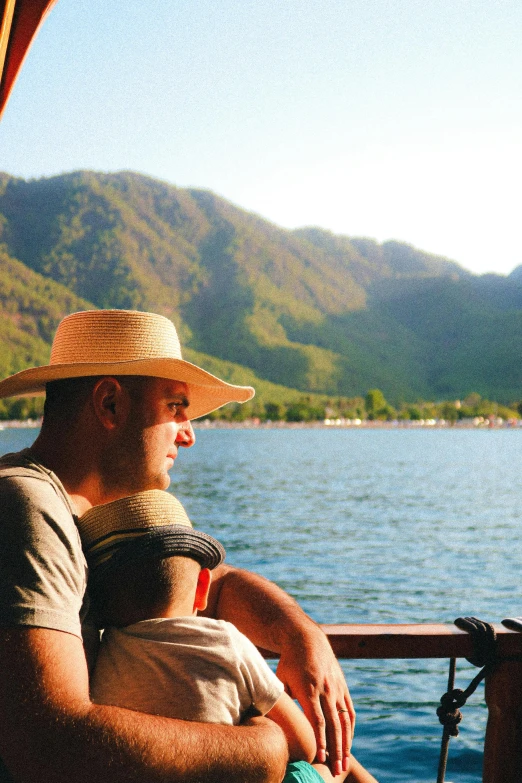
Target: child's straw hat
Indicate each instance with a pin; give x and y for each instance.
(124, 342)
(148, 524)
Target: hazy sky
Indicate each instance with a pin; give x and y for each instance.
(393, 120)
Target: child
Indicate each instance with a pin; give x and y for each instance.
(150, 573)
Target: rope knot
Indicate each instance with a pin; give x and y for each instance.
(449, 714)
(484, 640)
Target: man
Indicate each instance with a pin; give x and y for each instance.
(119, 403)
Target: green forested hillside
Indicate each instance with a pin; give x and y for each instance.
(31, 306)
(304, 309)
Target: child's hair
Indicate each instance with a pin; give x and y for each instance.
(142, 590)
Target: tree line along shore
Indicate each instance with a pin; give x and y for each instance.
(372, 409)
(309, 408)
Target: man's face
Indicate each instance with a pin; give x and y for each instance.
(157, 426)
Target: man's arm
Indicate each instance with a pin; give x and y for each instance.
(54, 734)
(308, 667)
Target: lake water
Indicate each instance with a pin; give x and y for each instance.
(372, 526)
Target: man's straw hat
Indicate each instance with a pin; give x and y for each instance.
(148, 524)
(124, 342)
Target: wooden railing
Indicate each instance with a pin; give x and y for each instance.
(503, 741)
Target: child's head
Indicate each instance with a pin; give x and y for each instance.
(145, 559)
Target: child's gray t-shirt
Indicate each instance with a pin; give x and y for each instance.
(193, 668)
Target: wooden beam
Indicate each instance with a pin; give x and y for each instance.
(413, 641)
(435, 640)
(5, 29)
(21, 20)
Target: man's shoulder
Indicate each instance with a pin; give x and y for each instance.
(19, 464)
(23, 480)
(23, 465)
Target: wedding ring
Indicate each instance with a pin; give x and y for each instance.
(342, 710)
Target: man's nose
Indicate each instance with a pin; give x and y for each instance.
(186, 436)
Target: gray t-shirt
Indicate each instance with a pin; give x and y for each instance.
(193, 668)
(43, 572)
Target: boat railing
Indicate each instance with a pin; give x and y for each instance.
(503, 686)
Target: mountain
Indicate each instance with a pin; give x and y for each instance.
(305, 309)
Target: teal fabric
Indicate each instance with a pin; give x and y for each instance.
(301, 772)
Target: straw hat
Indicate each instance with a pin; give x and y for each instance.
(149, 524)
(124, 342)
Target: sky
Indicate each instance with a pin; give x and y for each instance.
(391, 120)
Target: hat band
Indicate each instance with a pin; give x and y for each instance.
(129, 546)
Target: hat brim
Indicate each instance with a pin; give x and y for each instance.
(206, 392)
(161, 541)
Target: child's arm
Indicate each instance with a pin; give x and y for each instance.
(296, 728)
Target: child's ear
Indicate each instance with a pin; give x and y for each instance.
(204, 580)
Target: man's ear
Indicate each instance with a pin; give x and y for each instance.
(204, 580)
(111, 402)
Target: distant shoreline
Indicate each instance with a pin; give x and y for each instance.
(337, 424)
(208, 424)
(20, 424)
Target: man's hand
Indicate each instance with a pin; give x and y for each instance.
(311, 674)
